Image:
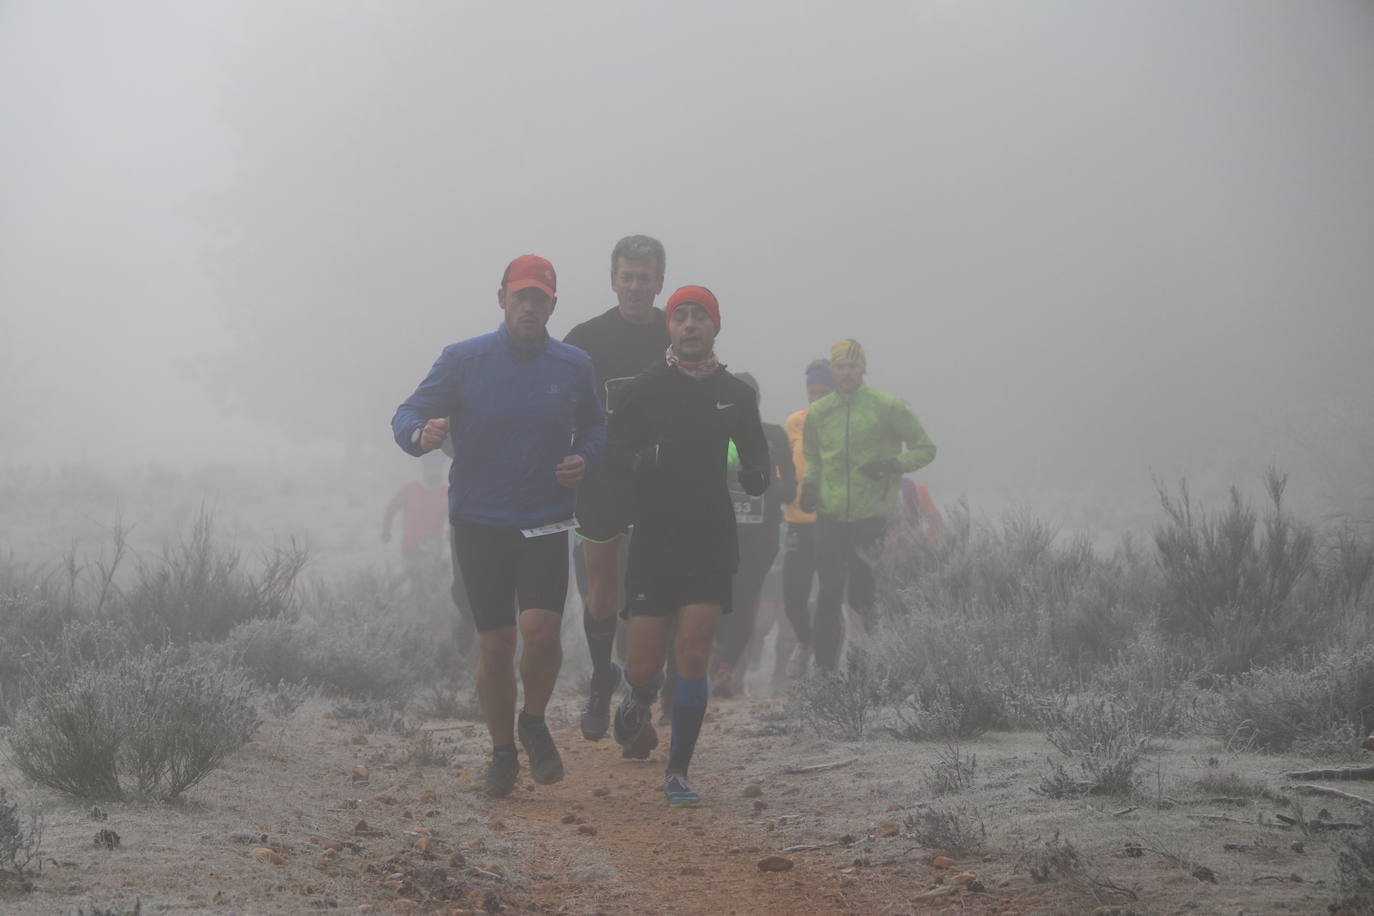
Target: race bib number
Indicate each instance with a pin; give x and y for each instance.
(568, 524)
(748, 509)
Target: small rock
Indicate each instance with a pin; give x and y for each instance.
(1203, 873)
(942, 862)
(753, 790)
(570, 818)
(691, 870)
(264, 854)
(587, 830)
(384, 799)
(457, 860)
(331, 854)
(601, 792)
(428, 796)
(1368, 743)
(760, 806)
(106, 839)
(775, 863)
(1298, 847)
(1134, 850)
(360, 774)
(359, 740)
(962, 879)
(362, 827)
(888, 828)
(423, 844)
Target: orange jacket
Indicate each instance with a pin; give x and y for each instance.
(794, 426)
(921, 510)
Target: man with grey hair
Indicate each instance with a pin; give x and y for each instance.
(622, 342)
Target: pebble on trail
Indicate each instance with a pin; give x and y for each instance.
(775, 863)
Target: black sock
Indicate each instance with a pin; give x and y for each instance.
(689, 710)
(502, 749)
(645, 695)
(600, 641)
(527, 719)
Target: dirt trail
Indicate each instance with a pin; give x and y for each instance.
(604, 841)
(664, 860)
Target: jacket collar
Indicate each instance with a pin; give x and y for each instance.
(518, 351)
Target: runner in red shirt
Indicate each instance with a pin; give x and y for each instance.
(423, 507)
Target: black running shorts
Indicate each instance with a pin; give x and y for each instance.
(659, 596)
(506, 572)
(605, 506)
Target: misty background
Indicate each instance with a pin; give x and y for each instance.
(1092, 244)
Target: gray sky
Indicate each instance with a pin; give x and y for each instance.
(1090, 242)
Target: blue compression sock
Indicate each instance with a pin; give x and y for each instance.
(689, 709)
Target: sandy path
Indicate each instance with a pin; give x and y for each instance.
(604, 841)
(664, 860)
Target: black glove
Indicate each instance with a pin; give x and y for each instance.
(810, 498)
(753, 480)
(882, 467)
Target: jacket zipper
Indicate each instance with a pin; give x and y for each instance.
(848, 464)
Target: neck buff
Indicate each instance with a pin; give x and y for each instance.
(697, 369)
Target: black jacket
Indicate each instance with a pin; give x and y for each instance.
(784, 482)
(619, 350)
(672, 432)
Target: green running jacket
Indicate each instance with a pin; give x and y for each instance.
(844, 432)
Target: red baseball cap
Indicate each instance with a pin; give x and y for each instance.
(530, 270)
(696, 295)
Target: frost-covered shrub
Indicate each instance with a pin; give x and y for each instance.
(152, 725)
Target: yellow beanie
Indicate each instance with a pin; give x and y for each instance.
(849, 349)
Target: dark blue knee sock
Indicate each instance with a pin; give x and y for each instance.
(689, 709)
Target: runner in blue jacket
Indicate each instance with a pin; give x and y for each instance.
(528, 426)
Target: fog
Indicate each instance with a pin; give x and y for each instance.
(1091, 243)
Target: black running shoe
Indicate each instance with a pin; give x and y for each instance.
(545, 764)
(641, 745)
(633, 731)
(596, 718)
(501, 774)
(679, 794)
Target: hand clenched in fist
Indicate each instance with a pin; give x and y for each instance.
(434, 434)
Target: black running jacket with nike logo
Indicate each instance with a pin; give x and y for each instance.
(672, 432)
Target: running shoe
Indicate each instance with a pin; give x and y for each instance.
(596, 718)
(633, 731)
(680, 795)
(502, 772)
(545, 765)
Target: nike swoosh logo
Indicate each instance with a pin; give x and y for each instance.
(720, 406)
